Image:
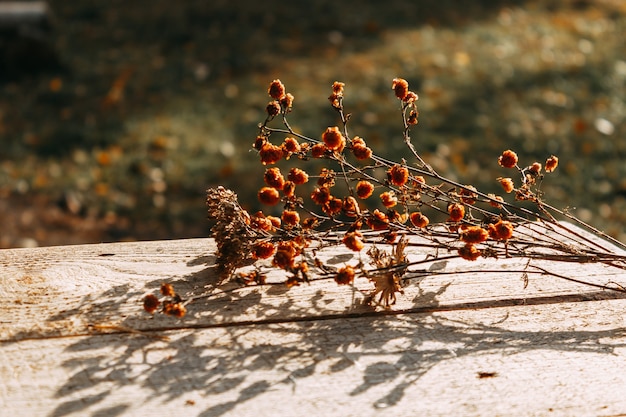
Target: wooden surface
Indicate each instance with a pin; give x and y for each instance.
(76, 342)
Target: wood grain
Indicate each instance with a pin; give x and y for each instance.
(460, 340)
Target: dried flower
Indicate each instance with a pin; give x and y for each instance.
(456, 211)
(269, 196)
(259, 142)
(345, 275)
(411, 97)
(353, 241)
(364, 189)
(338, 87)
(502, 230)
(398, 175)
(508, 159)
(350, 207)
(167, 290)
(535, 168)
(273, 108)
(361, 151)
(274, 220)
(418, 219)
(507, 184)
(310, 223)
(151, 303)
(378, 220)
(174, 309)
(400, 87)
(326, 178)
(552, 163)
(333, 139)
(495, 200)
(298, 176)
(285, 255)
(333, 206)
(318, 150)
(469, 252)
(274, 178)
(321, 195)
(276, 90)
(289, 189)
(290, 217)
(263, 250)
(290, 146)
(260, 222)
(270, 154)
(474, 234)
(389, 199)
(287, 101)
(468, 194)
(412, 119)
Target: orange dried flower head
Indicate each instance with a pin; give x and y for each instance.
(400, 87)
(495, 200)
(167, 290)
(412, 119)
(276, 90)
(411, 97)
(261, 222)
(364, 189)
(333, 139)
(351, 207)
(287, 101)
(508, 159)
(263, 250)
(151, 303)
(318, 150)
(290, 217)
(333, 206)
(345, 275)
(259, 142)
(469, 252)
(273, 108)
(290, 146)
(269, 196)
(418, 219)
(298, 176)
(321, 195)
(456, 211)
(552, 163)
(274, 178)
(285, 254)
(361, 152)
(175, 309)
(274, 220)
(468, 194)
(507, 184)
(474, 234)
(353, 241)
(338, 87)
(270, 154)
(389, 199)
(535, 168)
(398, 175)
(378, 220)
(326, 178)
(289, 189)
(502, 230)
(309, 223)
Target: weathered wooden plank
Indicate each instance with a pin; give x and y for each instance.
(558, 359)
(62, 291)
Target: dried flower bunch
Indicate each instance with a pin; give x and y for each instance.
(377, 206)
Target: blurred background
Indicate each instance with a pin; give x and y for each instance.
(115, 116)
